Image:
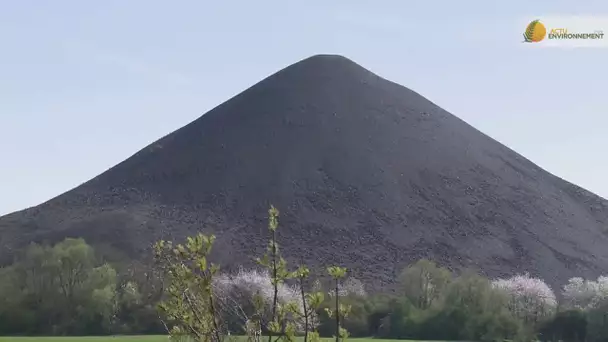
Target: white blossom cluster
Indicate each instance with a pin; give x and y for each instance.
(246, 284)
(529, 297)
(350, 286)
(585, 294)
(239, 290)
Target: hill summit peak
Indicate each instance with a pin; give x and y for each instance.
(366, 173)
(328, 58)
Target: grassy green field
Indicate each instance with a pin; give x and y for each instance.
(87, 339)
(137, 339)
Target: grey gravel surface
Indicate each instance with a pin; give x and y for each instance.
(366, 173)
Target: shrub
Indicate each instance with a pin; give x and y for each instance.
(567, 326)
(356, 322)
(378, 308)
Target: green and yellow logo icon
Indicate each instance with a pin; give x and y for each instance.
(535, 32)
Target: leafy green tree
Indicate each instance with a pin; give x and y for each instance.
(423, 282)
(189, 306)
(99, 302)
(196, 299)
(357, 320)
(597, 326)
(401, 323)
(284, 318)
(340, 310)
(34, 273)
(86, 292)
(140, 289)
(59, 290)
(311, 302)
(14, 318)
(378, 308)
(473, 310)
(72, 263)
(567, 326)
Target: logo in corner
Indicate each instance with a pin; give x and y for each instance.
(535, 32)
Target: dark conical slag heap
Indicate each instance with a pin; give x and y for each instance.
(367, 174)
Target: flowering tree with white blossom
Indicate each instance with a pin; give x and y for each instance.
(250, 292)
(350, 287)
(585, 294)
(530, 299)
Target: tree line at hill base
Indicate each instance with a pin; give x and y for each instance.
(69, 289)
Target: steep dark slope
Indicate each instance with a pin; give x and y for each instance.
(366, 173)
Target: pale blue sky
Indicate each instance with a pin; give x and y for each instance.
(85, 84)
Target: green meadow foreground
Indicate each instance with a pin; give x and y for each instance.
(87, 339)
(139, 339)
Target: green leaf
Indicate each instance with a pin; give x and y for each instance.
(202, 264)
(274, 327)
